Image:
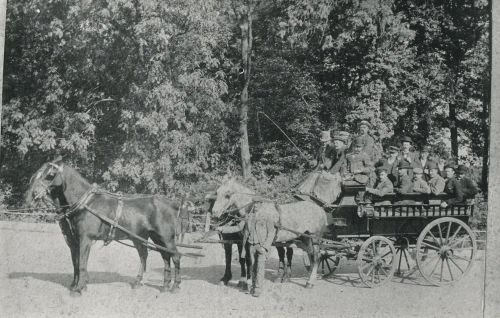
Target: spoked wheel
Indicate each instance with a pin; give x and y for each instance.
(375, 261)
(404, 257)
(445, 251)
(328, 264)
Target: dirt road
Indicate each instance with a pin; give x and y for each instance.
(36, 270)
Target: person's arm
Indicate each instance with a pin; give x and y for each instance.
(421, 187)
(472, 188)
(458, 195)
(227, 229)
(438, 187)
(386, 188)
(270, 234)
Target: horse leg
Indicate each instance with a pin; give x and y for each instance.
(176, 258)
(313, 252)
(167, 271)
(281, 266)
(288, 270)
(228, 250)
(248, 260)
(84, 250)
(242, 283)
(143, 256)
(72, 243)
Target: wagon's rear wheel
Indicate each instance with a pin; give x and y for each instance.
(328, 263)
(375, 261)
(445, 251)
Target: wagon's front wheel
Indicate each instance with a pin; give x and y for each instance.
(328, 263)
(375, 261)
(445, 251)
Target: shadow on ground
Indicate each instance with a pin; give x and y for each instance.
(65, 279)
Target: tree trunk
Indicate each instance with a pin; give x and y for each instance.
(246, 51)
(3, 12)
(454, 132)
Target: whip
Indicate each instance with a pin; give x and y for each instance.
(281, 130)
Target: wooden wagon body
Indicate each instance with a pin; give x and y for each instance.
(399, 234)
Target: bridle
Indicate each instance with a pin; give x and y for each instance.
(46, 186)
(225, 210)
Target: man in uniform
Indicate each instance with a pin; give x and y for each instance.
(407, 155)
(383, 185)
(259, 231)
(404, 184)
(452, 187)
(469, 187)
(436, 182)
(391, 164)
(358, 165)
(423, 162)
(340, 145)
(367, 141)
(419, 184)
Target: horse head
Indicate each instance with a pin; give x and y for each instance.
(230, 193)
(43, 181)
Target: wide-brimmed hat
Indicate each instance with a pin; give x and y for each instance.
(418, 170)
(403, 164)
(405, 139)
(393, 149)
(462, 169)
(325, 136)
(364, 122)
(450, 165)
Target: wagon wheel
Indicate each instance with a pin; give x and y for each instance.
(445, 250)
(375, 261)
(404, 257)
(329, 263)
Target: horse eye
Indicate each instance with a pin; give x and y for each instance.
(228, 195)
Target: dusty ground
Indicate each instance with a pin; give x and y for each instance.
(36, 270)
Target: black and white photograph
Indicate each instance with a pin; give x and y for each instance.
(249, 158)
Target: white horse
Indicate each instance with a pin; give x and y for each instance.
(300, 217)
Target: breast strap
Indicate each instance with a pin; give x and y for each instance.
(118, 214)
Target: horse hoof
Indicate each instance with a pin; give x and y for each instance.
(309, 285)
(242, 284)
(285, 280)
(75, 293)
(223, 283)
(136, 285)
(174, 289)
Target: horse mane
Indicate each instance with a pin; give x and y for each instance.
(71, 175)
(236, 186)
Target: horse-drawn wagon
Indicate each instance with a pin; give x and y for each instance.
(398, 233)
(402, 233)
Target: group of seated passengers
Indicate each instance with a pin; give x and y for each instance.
(403, 171)
(458, 187)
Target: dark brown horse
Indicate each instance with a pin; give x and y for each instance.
(83, 214)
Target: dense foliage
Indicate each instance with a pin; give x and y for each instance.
(145, 96)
